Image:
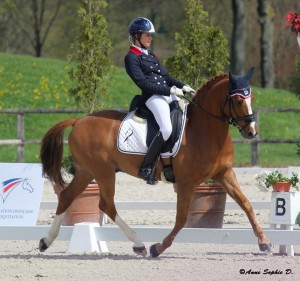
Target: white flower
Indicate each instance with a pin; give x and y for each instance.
(261, 179)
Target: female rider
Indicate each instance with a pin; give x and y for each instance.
(158, 89)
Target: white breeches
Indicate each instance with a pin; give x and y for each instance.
(159, 106)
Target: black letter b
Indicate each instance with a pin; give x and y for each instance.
(280, 209)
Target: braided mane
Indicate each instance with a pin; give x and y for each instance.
(210, 83)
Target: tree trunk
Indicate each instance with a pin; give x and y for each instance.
(266, 16)
(237, 54)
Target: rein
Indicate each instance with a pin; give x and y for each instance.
(229, 120)
(221, 118)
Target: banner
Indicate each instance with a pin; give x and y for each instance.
(21, 189)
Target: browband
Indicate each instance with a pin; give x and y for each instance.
(244, 93)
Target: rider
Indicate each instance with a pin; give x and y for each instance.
(158, 89)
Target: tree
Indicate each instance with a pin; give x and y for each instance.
(202, 49)
(237, 53)
(266, 16)
(6, 7)
(38, 12)
(34, 21)
(91, 57)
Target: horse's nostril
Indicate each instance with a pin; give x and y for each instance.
(250, 135)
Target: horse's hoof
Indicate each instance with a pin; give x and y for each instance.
(43, 246)
(265, 247)
(153, 251)
(140, 251)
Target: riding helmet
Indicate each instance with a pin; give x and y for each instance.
(141, 25)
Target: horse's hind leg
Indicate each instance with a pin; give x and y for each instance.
(66, 197)
(107, 205)
(230, 184)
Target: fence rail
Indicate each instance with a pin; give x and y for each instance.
(162, 205)
(20, 140)
(285, 238)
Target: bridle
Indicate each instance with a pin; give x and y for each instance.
(245, 93)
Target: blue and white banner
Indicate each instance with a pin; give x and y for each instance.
(21, 189)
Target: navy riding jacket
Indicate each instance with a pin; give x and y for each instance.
(149, 74)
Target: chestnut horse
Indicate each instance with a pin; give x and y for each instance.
(224, 100)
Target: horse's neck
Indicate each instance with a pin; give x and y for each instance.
(211, 102)
(206, 132)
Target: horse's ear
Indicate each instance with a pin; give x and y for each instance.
(231, 77)
(249, 74)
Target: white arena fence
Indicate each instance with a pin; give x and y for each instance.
(105, 233)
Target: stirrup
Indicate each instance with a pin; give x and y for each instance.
(148, 175)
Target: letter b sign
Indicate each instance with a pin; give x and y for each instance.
(280, 207)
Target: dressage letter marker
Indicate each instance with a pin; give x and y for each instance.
(280, 207)
(285, 207)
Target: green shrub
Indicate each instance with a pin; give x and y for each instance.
(202, 50)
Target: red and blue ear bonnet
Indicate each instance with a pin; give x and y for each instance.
(240, 85)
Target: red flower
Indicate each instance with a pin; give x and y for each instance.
(293, 21)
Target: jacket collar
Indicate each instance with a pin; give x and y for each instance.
(136, 50)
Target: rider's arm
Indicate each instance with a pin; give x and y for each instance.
(134, 69)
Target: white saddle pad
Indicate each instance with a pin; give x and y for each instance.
(132, 136)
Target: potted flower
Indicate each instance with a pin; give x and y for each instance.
(277, 180)
(293, 21)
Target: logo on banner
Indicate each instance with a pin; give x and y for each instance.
(14, 184)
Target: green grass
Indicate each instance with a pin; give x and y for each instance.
(272, 125)
(27, 82)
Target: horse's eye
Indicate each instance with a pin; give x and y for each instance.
(239, 103)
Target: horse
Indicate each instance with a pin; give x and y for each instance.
(223, 101)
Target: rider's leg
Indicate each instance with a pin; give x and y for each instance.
(147, 171)
(161, 111)
(159, 106)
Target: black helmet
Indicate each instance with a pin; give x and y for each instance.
(141, 25)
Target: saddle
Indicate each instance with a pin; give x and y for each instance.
(176, 113)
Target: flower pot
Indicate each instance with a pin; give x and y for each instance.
(298, 38)
(85, 208)
(282, 186)
(207, 207)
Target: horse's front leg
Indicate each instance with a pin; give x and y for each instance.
(230, 184)
(184, 197)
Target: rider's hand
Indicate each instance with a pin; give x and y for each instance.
(188, 89)
(176, 91)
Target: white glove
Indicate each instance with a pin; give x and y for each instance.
(176, 91)
(188, 89)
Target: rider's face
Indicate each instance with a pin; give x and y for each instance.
(146, 39)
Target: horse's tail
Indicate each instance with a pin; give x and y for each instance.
(51, 152)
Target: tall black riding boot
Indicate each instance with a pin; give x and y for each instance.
(147, 171)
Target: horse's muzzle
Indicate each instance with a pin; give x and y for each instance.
(249, 132)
